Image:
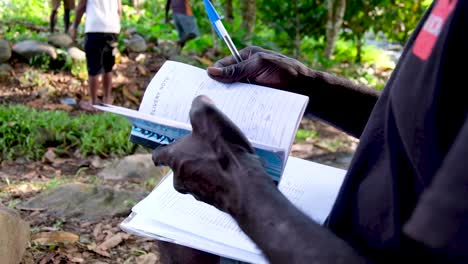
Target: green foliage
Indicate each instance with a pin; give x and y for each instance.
(303, 134)
(26, 132)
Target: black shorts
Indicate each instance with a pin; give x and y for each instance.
(100, 54)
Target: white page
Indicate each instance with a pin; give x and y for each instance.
(265, 115)
(142, 226)
(310, 186)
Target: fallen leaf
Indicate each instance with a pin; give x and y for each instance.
(95, 249)
(48, 257)
(113, 241)
(97, 231)
(56, 237)
(142, 70)
(129, 95)
(149, 258)
(77, 260)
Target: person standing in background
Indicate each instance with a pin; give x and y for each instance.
(102, 27)
(185, 22)
(68, 5)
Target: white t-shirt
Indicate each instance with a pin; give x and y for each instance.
(102, 16)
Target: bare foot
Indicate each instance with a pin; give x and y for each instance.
(108, 99)
(87, 106)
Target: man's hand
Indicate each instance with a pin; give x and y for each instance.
(215, 163)
(259, 66)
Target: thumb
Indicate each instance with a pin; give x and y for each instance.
(164, 155)
(210, 123)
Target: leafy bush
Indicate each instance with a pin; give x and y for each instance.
(26, 132)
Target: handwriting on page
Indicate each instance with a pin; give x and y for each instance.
(261, 113)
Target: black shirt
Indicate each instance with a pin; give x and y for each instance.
(408, 180)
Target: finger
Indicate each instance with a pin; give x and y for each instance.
(246, 69)
(244, 53)
(210, 123)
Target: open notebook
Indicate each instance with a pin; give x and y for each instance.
(268, 117)
(168, 215)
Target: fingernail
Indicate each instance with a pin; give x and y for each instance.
(215, 71)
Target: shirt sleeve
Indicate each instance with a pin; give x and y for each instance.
(440, 219)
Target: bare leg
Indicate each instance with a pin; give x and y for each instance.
(66, 19)
(53, 20)
(174, 254)
(107, 83)
(93, 83)
(93, 86)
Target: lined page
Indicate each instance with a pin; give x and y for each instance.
(309, 186)
(185, 213)
(265, 115)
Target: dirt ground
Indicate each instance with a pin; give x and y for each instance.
(22, 179)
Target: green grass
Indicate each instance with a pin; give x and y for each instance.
(26, 132)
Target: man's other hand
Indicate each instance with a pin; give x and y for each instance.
(215, 163)
(259, 66)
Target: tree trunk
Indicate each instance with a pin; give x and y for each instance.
(297, 40)
(249, 11)
(229, 11)
(336, 10)
(359, 42)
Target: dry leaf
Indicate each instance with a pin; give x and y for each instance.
(113, 241)
(129, 95)
(142, 70)
(93, 248)
(77, 260)
(149, 258)
(56, 237)
(97, 231)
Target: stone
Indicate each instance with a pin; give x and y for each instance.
(14, 236)
(76, 54)
(60, 40)
(5, 71)
(135, 168)
(168, 48)
(136, 44)
(31, 48)
(5, 51)
(85, 201)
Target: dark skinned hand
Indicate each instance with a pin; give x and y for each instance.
(215, 163)
(259, 66)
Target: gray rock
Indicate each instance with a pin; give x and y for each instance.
(31, 48)
(134, 168)
(14, 236)
(5, 71)
(136, 44)
(168, 48)
(85, 201)
(60, 40)
(5, 50)
(77, 54)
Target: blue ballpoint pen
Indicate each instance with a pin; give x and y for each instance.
(220, 30)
